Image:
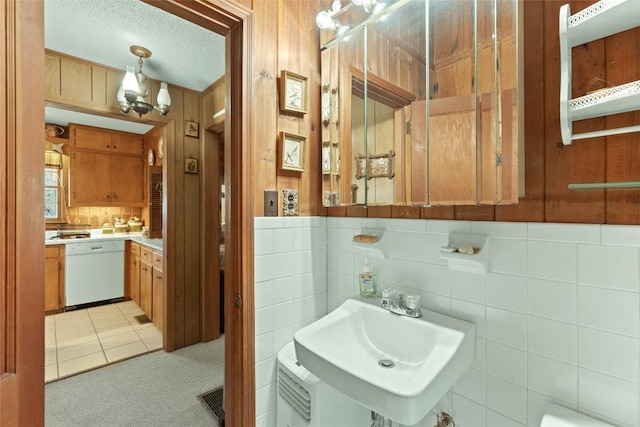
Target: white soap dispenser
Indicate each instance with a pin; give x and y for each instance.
(367, 281)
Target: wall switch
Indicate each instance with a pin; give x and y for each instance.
(270, 203)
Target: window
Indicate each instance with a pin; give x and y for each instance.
(53, 188)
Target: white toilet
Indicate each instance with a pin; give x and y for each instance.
(558, 416)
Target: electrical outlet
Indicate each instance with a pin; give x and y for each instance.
(270, 203)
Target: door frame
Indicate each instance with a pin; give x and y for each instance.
(234, 22)
(21, 218)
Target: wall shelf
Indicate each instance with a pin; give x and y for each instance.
(599, 20)
(471, 263)
(374, 249)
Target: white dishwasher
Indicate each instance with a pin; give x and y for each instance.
(94, 271)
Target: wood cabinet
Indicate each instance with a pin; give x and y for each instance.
(106, 168)
(146, 282)
(54, 278)
(105, 140)
(158, 289)
(133, 274)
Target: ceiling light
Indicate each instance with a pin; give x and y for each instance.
(133, 91)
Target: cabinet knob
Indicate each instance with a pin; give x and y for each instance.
(115, 147)
(115, 196)
(108, 146)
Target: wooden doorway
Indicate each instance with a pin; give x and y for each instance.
(21, 290)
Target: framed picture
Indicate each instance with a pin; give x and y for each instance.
(191, 128)
(380, 165)
(293, 92)
(190, 165)
(293, 149)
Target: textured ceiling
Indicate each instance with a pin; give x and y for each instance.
(102, 31)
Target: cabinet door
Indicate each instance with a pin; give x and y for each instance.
(51, 274)
(146, 288)
(54, 278)
(126, 180)
(157, 297)
(134, 278)
(124, 143)
(89, 178)
(91, 139)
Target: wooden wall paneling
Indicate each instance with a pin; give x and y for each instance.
(437, 212)
(583, 161)
(192, 226)
(75, 80)
(623, 151)
(99, 85)
(52, 76)
(265, 103)
(531, 206)
(170, 223)
(408, 212)
(379, 211)
(475, 213)
(209, 235)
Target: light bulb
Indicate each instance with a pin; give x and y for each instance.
(324, 20)
(120, 95)
(130, 83)
(163, 95)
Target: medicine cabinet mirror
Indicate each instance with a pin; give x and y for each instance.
(420, 104)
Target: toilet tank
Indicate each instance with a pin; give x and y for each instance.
(558, 416)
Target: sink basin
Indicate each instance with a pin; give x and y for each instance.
(350, 347)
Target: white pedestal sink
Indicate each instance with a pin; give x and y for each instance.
(397, 366)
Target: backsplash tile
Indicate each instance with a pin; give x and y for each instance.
(557, 316)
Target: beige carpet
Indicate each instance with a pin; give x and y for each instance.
(156, 389)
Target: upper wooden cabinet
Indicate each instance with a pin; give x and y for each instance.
(105, 140)
(106, 168)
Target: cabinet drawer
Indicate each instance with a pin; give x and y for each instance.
(157, 260)
(135, 249)
(52, 252)
(146, 255)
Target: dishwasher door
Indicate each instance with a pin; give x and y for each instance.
(94, 271)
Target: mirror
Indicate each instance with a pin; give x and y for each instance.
(420, 104)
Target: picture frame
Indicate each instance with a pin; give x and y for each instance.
(190, 165)
(293, 152)
(191, 128)
(380, 165)
(293, 93)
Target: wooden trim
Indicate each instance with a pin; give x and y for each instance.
(21, 289)
(379, 89)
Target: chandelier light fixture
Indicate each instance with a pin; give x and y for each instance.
(133, 90)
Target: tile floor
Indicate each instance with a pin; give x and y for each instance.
(79, 340)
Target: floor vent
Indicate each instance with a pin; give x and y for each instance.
(142, 319)
(212, 401)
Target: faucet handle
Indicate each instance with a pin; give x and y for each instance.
(412, 301)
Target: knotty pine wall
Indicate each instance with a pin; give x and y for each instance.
(285, 37)
(549, 166)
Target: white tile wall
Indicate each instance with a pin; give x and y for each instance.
(290, 292)
(557, 316)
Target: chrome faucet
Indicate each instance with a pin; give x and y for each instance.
(398, 303)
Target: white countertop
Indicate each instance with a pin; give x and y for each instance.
(97, 236)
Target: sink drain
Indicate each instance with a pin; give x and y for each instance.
(386, 363)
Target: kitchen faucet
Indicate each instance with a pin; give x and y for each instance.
(399, 303)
